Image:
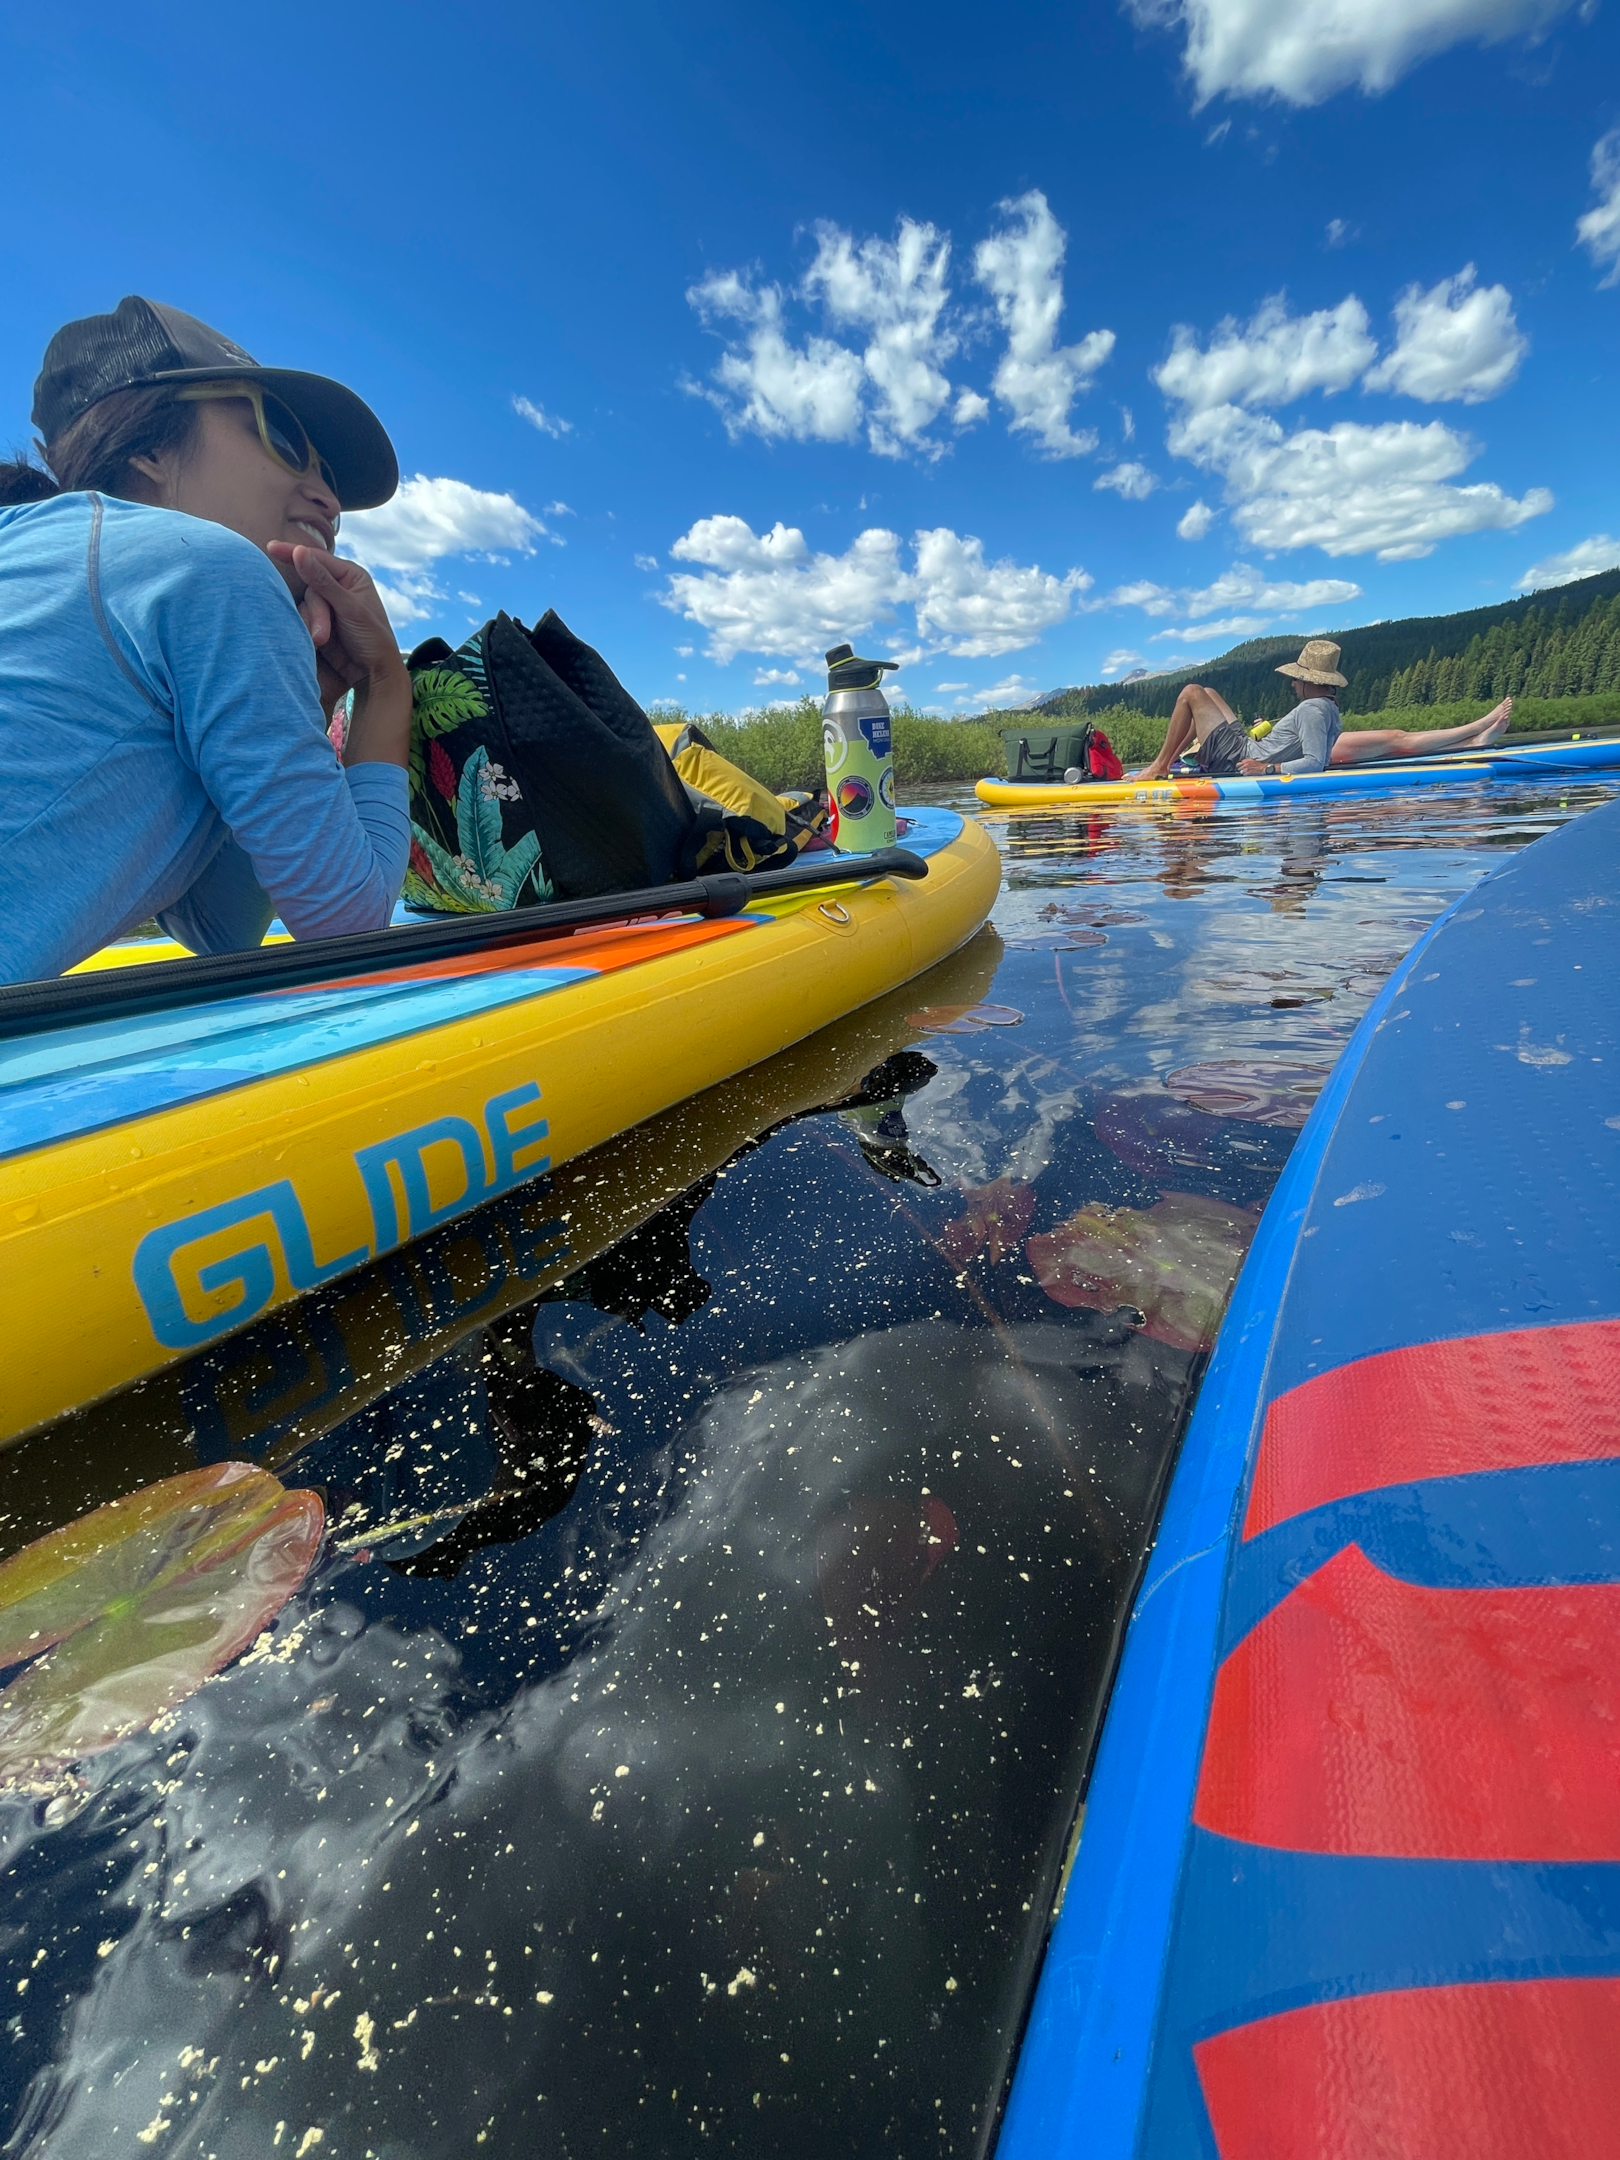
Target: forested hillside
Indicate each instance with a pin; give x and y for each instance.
(1561, 643)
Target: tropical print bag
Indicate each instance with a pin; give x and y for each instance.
(472, 848)
(534, 775)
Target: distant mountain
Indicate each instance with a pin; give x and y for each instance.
(1564, 642)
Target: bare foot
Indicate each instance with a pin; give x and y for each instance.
(1495, 724)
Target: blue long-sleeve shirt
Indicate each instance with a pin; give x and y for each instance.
(162, 746)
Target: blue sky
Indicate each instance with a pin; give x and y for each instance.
(1029, 344)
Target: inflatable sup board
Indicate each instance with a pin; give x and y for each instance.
(1348, 1879)
(176, 1160)
(1560, 760)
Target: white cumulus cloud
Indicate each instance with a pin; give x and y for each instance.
(1305, 50)
(1270, 360)
(770, 677)
(895, 294)
(1349, 489)
(1133, 481)
(769, 386)
(1195, 521)
(1598, 230)
(896, 291)
(978, 609)
(1013, 693)
(1150, 598)
(1585, 559)
(1036, 378)
(538, 417)
(427, 521)
(1242, 601)
(895, 330)
(771, 593)
(1238, 626)
(1457, 342)
(1244, 587)
(1121, 658)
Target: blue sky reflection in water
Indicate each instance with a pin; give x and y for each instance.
(678, 1749)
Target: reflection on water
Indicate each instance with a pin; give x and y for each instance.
(676, 1747)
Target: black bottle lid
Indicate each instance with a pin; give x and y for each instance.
(846, 672)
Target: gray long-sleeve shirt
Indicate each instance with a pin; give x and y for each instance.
(1302, 741)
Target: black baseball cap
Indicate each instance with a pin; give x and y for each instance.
(142, 343)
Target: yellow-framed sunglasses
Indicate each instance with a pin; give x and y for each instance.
(281, 431)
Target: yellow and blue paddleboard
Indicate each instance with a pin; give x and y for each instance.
(1517, 763)
(168, 1176)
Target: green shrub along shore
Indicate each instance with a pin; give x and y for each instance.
(782, 747)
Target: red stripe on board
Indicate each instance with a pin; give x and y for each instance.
(1369, 1715)
(1440, 1409)
(1504, 2070)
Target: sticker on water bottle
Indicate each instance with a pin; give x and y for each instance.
(833, 746)
(854, 797)
(879, 740)
(886, 787)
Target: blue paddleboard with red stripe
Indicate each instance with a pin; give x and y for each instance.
(1348, 1880)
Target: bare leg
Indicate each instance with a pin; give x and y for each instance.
(1197, 710)
(1363, 746)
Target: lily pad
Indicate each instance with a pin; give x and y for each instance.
(1157, 1135)
(1175, 1263)
(997, 1216)
(1067, 939)
(963, 1019)
(1099, 918)
(1268, 986)
(1263, 1094)
(130, 1609)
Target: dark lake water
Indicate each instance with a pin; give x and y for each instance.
(678, 1747)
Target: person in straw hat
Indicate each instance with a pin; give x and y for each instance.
(1309, 738)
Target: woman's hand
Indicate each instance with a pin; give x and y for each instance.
(355, 649)
(344, 614)
(1252, 765)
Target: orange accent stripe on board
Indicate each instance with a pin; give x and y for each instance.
(598, 952)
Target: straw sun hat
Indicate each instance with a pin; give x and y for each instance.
(1319, 662)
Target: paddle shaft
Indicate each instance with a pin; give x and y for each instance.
(162, 985)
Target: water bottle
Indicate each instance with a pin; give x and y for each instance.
(857, 740)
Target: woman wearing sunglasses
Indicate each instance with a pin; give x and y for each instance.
(175, 631)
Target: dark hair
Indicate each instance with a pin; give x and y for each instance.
(97, 450)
